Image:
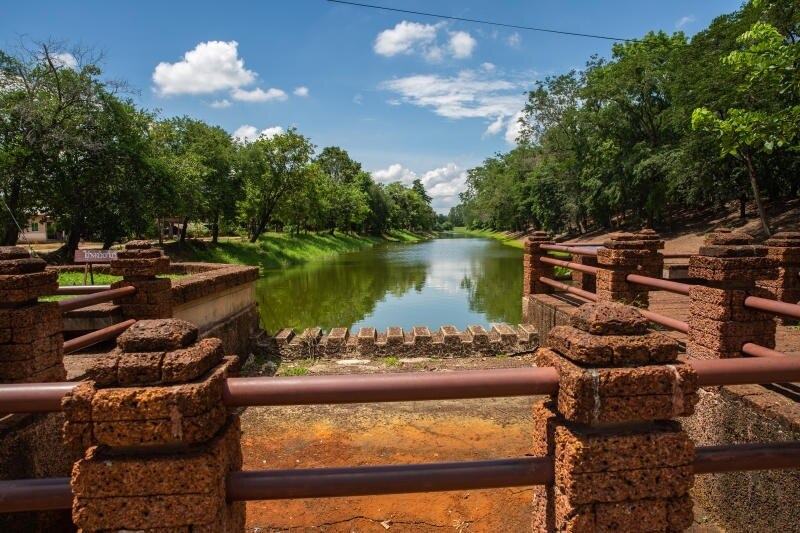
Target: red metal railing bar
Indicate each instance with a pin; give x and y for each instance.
(732, 458)
(100, 335)
(394, 387)
(82, 289)
(566, 264)
(46, 494)
(410, 386)
(661, 284)
(756, 350)
(55, 493)
(672, 323)
(392, 479)
(91, 299)
(592, 297)
(568, 249)
(773, 306)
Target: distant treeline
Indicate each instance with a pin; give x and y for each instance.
(98, 166)
(666, 123)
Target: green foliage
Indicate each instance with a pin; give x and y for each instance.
(391, 361)
(293, 371)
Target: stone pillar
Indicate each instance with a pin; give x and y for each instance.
(628, 253)
(139, 264)
(719, 323)
(31, 332)
(532, 268)
(582, 280)
(784, 247)
(621, 464)
(160, 441)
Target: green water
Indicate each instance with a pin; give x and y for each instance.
(450, 280)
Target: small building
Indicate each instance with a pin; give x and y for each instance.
(40, 229)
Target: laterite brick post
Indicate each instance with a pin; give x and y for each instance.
(624, 254)
(784, 247)
(621, 464)
(533, 269)
(719, 323)
(31, 332)
(582, 280)
(139, 264)
(159, 441)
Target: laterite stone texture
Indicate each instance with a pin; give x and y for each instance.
(719, 322)
(784, 248)
(139, 264)
(532, 268)
(623, 254)
(31, 339)
(621, 464)
(159, 440)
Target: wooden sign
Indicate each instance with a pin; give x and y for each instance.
(95, 256)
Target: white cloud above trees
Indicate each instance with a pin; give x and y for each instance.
(258, 95)
(247, 133)
(408, 38)
(443, 184)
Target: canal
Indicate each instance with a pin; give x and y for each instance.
(453, 279)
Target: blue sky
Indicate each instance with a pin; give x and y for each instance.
(407, 95)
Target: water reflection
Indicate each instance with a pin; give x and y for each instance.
(444, 281)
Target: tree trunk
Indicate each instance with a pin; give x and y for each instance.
(68, 250)
(183, 230)
(215, 228)
(10, 234)
(160, 225)
(757, 194)
(742, 207)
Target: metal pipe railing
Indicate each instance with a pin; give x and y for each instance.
(566, 264)
(410, 386)
(391, 479)
(82, 289)
(672, 323)
(393, 387)
(55, 493)
(592, 297)
(91, 299)
(568, 249)
(100, 335)
(773, 306)
(756, 350)
(661, 284)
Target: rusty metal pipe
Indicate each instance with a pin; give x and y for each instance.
(592, 297)
(661, 284)
(393, 479)
(744, 371)
(33, 397)
(566, 264)
(755, 350)
(394, 387)
(82, 289)
(773, 306)
(672, 323)
(104, 334)
(732, 458)
(35, 494)
(78, 302)
(568, 249)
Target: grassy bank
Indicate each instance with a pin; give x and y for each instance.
(509, 239)
(276, 250)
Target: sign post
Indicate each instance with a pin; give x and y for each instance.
(89, 257)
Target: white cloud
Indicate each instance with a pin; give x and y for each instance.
(468, 95)
(301, 91)
(443, 183)
(247, 133)
(65, 60)
(462, 44)
(220, 104)
(395, 172)
(513, 128)
(514, 40)
(404, 38)
(495, 127)
(488, 67)
(211, 66)
(258, 95)
(683, 21)
(358, 99)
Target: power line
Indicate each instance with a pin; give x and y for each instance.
(488, 22)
